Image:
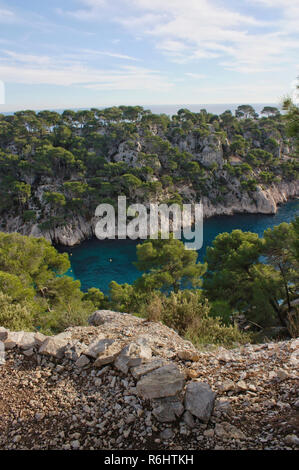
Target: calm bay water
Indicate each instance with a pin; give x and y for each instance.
(92, 265)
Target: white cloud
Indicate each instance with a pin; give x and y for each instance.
(197, 76)
(91, 52)
(197, 10)
(25, 58)
(288, 12)
(193, 30)
(200, 29)
(92, 9)
(7, 16)
(2, 92)
(63, 71)
(257, 92)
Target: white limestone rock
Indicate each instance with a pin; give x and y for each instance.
(54, 347)
(98, 346)
(133, 355)
(39, 338)
(13, 339)
(109, 355)
(27, 341)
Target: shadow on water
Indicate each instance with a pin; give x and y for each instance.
(96, 263)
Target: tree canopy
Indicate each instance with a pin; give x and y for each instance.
(255, 276)
(167, 264)
(35, 294)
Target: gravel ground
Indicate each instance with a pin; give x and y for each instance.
(51, 404)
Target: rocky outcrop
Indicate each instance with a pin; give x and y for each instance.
(207, 150)
(75, 231)
(128, 154)
(157, 379)
(197, 156)
(61, 393)
(263, 201)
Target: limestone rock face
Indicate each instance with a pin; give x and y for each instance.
(212, 151)
(53, 347)
(71, 234)
(199, 400)
(207, 150)
(166, 381)
(128, 154)
(264, 201)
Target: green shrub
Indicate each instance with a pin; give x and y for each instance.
(96, 297)
(189, 315)
(64, 315)
(34, 292)
(16, 316)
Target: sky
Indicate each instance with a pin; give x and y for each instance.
(93, 53)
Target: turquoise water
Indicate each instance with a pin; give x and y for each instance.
(91, 260)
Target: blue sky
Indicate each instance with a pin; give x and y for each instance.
(91, 53)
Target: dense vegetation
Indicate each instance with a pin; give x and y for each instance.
(34, 293)
(55, 166)
(243, 275)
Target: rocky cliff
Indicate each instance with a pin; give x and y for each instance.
(56, 169)
(262, 201)
(124, 383)
(78, 228)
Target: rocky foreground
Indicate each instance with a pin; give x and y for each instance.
(125, 383)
